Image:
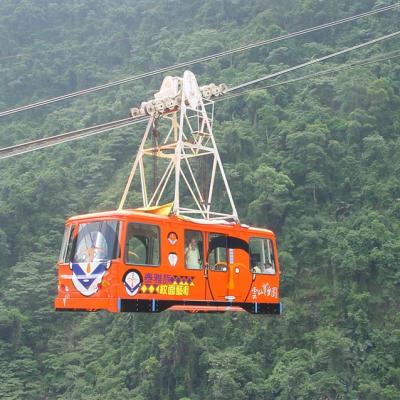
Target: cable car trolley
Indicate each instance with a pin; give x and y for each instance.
(184, 247)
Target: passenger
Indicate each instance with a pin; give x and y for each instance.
(256, 270)
(269, 269)
(192, 255)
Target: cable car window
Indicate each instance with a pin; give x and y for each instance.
(95, 241)
(193, 250)
(66, 244)
(262, 256)
(71, 244)
(217, 245)
(143, 244)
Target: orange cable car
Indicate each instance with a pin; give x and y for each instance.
(136, 261)
(186, 254)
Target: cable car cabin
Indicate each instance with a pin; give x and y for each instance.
(136, 261)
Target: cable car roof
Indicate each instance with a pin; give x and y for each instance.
(147, 214)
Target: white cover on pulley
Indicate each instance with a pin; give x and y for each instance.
(191, 89)
(169, 88)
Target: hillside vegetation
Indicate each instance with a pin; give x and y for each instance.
(317, 160)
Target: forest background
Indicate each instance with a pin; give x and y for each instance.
(316, 160)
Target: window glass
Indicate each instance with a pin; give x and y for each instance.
(142, 244)
(262, 256)
(66, 243)
(94, 241)
(217, 244)
(193, 249)
(71, 244)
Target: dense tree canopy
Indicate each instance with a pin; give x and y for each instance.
(316, 160)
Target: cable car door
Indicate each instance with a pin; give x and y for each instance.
(228, 272)
(194, 264)
(240, 277)
(217, 280)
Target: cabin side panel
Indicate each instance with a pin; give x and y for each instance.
(171, 279)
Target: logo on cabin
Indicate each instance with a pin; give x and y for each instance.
(265, 290)
(87, 276)
(132, 282)
(171, 285)
(172, 238)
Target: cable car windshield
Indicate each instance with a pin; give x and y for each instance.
(93, 241)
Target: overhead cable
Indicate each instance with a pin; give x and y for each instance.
(316, 60)
(195, 61)
(84, 45)
(59, 49)
(43, 143)
(395, 54)
(94, 130)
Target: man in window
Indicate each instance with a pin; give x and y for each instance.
(269, 269)
(192, 255)
(264, 268)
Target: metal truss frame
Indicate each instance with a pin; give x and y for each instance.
(189, 137)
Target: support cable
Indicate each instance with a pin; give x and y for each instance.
(195, 61)
(317, 60)
(43, 143)
(94, 130)
(394, 54)
(31, 54)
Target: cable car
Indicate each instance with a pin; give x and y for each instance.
(190, 254)
(143, 261)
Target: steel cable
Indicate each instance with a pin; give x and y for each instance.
(43, 143)
(93, 130)
(395, 54)
(195, 61)
(317, 60)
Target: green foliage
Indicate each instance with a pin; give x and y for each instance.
(316, 160)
